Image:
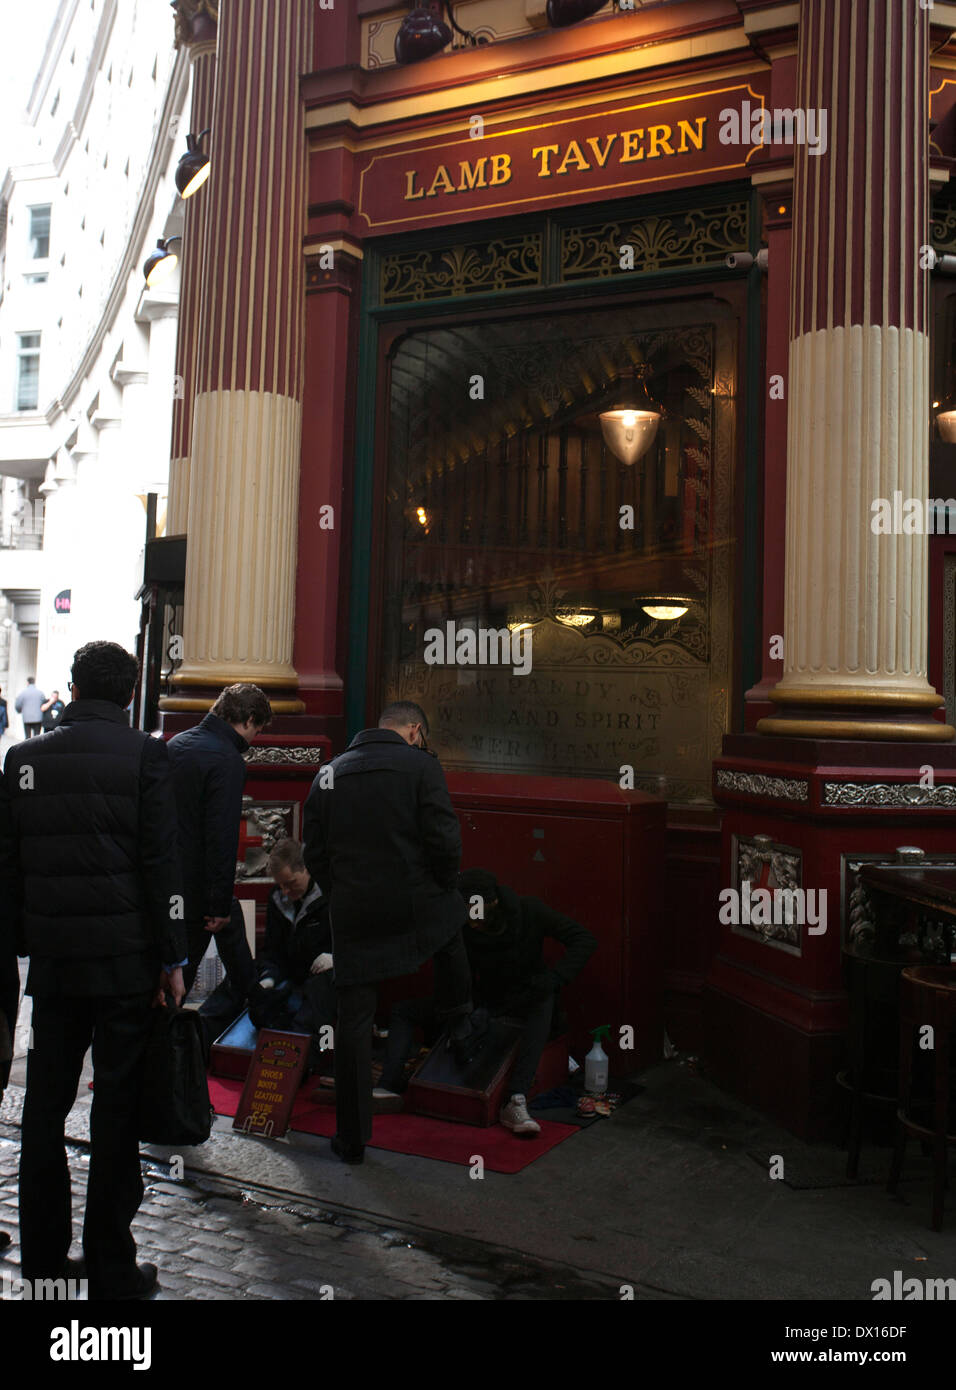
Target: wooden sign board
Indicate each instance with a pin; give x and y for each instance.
(272, 1083)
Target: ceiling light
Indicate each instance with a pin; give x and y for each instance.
(666, 608)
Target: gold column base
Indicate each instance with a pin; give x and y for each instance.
(856, 712)
(197, 705)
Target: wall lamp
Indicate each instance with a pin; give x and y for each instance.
(161, 264)
(194, 168)
(423, 32)
(564, 12)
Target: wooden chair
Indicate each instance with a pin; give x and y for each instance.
(927, 998)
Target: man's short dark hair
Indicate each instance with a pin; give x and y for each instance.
(238, 704)
(105, 671)
(478, 883)
(286, 854)
(31, 680)
(401, 713)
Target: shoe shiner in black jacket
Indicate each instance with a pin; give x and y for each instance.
(209, 775)
(90, 886)
(296, 990)
(510, 978)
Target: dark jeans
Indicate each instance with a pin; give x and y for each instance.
(32, 730)
(353, 1037)
(537, 1017)
(233, 951)
(63, 1029)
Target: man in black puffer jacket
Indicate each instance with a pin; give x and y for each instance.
(90, 888)
(209, 774)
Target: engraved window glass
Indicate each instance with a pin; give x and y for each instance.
(506, 511)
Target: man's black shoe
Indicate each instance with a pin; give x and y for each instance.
(143, 1284)
(346, 1152)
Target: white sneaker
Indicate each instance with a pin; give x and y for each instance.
(380, 1093)
(514, 1116)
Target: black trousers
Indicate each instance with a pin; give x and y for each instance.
(353, 1037)
(537, 1018)
(32, 730)
(63, 1029)
(9, 999)
(233, 951)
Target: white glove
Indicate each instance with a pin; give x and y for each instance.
(267, 983)
(321, 963)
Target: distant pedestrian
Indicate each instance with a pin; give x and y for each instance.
(209, 775)
(4, 718)
(52, 709)
(30, 704)
(89, 887)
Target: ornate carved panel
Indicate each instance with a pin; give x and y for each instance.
(508, 263)
(761, 862)
(701, 236)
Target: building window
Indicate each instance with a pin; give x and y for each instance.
(40, 278)
(40, 232)
(28, 371)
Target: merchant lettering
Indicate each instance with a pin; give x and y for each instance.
(596, 152)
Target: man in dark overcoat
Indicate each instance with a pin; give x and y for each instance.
(209, 774)
(382, 838)
(90, 887)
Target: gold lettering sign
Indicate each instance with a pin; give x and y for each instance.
(656, 139)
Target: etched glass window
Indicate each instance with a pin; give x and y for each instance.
(506, 512)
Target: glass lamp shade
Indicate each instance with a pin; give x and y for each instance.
(422, 34)
(946, 420)
(665, 608)
(630, 428)
(563, 12)
(629, 433)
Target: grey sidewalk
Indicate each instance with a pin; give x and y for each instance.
(671, 1194)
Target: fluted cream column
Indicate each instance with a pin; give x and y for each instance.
(196, 27)
(855, 627)
(246, 417)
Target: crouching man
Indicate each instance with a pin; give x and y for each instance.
(296, 990)
(504, 938)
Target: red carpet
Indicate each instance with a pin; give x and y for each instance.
(501, 1151)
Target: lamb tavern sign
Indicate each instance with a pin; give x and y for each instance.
(496, 168)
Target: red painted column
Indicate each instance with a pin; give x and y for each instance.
(196, 27)
(247, 412)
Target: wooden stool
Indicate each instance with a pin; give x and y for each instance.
(872, 1078)
(927, 997)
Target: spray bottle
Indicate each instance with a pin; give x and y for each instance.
(595, 1063)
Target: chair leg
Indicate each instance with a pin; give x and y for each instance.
(899, 1151)
(854, 1132)
(939, 1181)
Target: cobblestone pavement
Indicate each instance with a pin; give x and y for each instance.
(217, 1240)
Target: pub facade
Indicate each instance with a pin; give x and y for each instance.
(414, 296)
